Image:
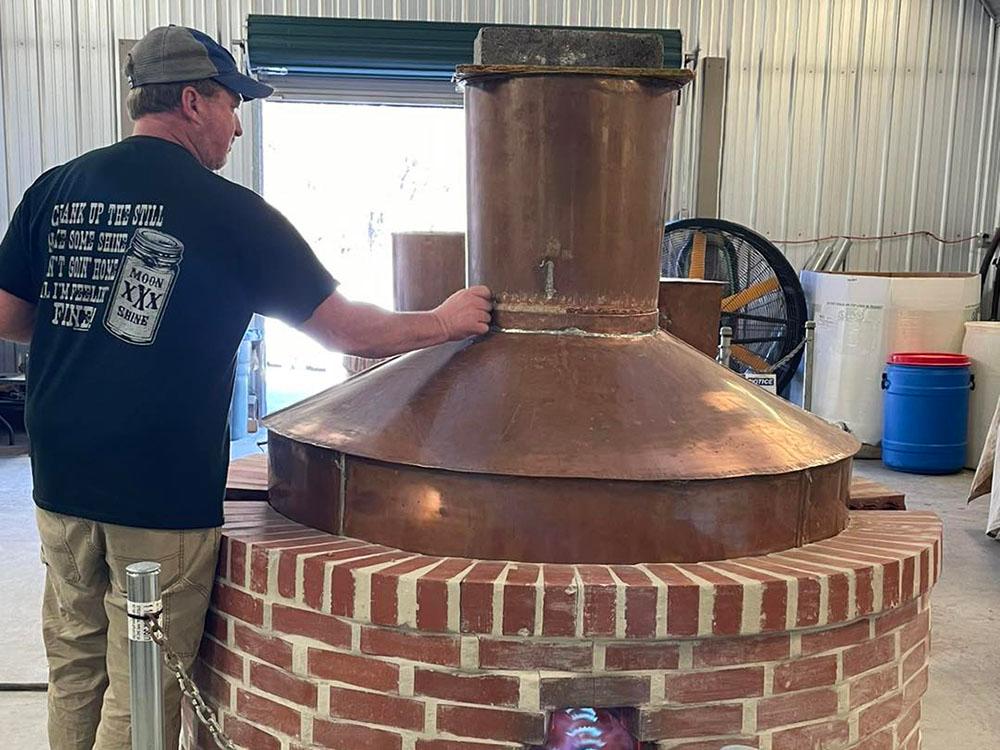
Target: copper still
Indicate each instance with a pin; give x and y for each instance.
(576, 430)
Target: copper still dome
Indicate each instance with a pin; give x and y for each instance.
(576, 430)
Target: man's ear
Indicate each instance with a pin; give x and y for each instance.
(191, 104)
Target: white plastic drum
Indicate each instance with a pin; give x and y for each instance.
(982, 345)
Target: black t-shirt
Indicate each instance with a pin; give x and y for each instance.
(145, 268)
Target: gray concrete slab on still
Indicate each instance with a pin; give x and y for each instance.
(961, 709)
(574, 48)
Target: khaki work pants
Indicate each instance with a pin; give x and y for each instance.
(85, 628)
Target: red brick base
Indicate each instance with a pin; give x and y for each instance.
(316, 641)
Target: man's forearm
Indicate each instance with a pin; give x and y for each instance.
(379, 333)
(369, 331)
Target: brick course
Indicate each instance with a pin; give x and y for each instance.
(314, 641)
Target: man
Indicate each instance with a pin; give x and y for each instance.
(134, 271)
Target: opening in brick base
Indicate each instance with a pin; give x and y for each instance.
(592, 729)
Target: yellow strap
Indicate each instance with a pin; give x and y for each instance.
(698, 257)
(739, 300)
(751, 360)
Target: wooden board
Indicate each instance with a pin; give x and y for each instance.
(247, 478)
(869, 495)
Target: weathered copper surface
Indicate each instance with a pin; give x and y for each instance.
(566, 182)
(643, 407)
(690, 310)
(305, 482)
(577, 431)
(426, 268)
(249, 479)
(567, 520)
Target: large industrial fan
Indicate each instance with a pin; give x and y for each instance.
(763, 301)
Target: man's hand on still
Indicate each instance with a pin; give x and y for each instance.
(465, 313)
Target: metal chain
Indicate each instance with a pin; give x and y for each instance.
(777, 365)
(201, 709)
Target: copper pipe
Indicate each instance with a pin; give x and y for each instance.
(426, 268)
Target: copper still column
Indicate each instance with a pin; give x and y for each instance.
(576, 431)
(567, 178)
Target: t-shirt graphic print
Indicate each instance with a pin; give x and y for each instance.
(145, 280)
(100, 251)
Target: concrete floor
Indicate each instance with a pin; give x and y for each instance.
(961, 709)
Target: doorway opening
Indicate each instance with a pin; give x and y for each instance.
(347, 176)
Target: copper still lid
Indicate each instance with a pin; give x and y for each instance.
(576, 431)
(643, 407)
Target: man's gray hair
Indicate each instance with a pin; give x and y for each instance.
(165, 97)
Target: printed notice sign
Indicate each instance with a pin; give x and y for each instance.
(766, 380)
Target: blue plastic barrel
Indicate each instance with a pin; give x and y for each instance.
(926, 412)
(241, 392)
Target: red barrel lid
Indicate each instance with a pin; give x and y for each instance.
(929, 359)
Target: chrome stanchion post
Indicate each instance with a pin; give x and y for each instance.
(145, 663)
(807, 365)
(725, 345)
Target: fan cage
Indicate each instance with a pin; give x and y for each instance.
(763, 301)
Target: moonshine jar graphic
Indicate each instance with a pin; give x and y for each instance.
(144, 284)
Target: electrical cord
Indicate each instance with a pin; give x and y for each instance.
(872, 238)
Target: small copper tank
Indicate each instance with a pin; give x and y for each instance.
(427, 267)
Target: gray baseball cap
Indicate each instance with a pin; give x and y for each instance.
(172, 54)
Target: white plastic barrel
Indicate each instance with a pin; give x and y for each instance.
(982, 345)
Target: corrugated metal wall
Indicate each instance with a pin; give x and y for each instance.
(859, 117)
